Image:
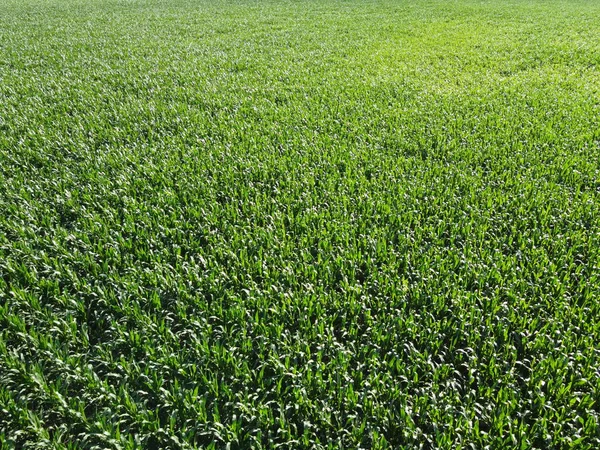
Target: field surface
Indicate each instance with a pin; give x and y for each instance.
(299, 224)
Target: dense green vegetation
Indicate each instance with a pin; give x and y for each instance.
(299, 224)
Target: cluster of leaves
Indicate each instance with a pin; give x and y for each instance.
(307, 224)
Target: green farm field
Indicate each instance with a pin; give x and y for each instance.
(299, 224)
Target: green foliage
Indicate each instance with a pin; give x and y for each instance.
(308, 224)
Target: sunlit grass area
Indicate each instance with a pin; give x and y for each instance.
(299, 224)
